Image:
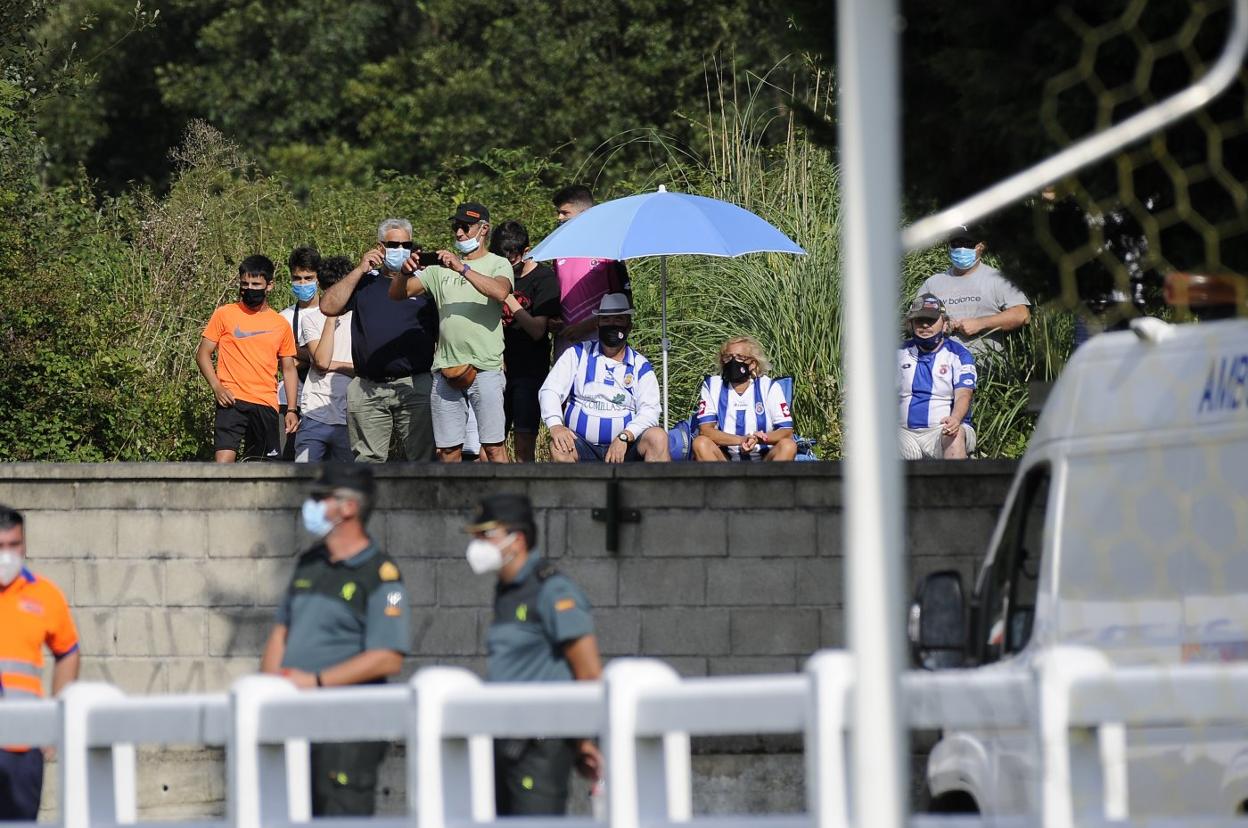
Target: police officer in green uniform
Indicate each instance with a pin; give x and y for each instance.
(542, 631)
(343, 621)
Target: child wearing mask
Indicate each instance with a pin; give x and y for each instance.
(250, 340)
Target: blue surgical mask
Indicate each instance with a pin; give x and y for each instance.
(963, 258)
(304, 291)
(467, 245)
(395, 257)
(314, 519)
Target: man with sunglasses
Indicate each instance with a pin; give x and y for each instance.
(344, 620)
(392, 346)
(468, 366)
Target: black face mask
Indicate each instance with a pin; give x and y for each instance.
(612, 336)
(252, 297)
(736, 371)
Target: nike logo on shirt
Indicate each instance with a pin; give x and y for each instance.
(239, 333)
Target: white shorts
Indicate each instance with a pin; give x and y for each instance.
(920, 443)
(450, 408)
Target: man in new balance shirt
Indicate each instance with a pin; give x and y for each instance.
(250, 340)
(936, 379)
(742, 414)
(343, 620)
(982, 304)
(601, 399)
(542, 630)
(33, 615)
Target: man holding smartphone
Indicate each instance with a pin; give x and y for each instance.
(468, 366)
(392, 346)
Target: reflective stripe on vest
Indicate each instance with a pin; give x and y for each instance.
(9, 665)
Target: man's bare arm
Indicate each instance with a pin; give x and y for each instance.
(274, 650)
(65, 671)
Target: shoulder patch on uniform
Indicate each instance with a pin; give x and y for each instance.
(565, 604)
(388, 572)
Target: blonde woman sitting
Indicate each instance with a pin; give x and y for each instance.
(743, 414)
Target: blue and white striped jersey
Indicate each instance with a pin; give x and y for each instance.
(927, 379)
(603, 396)
(761, 408)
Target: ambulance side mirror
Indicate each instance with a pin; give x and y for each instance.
(937, 624)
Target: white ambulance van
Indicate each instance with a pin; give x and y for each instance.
(1126, 529)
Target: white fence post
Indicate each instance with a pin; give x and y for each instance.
(266, 784)
(869, 128)
(648, 778)
(831, 675)
(97, 784)
(448, 779)
(1073, 787)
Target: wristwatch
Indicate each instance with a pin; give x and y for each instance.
(467, 268)
(625, 437)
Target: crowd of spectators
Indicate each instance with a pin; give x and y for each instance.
(442, 354)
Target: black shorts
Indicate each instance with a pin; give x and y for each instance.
(521, 410)
(248, 423)
(589, 452)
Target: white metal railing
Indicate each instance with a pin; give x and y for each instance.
(1076, 705)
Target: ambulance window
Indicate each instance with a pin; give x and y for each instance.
(1010, 601)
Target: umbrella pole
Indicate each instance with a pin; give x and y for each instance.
(666, 343)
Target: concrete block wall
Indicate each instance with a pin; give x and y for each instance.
(174, 570)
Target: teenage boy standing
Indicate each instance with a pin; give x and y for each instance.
(250, 340)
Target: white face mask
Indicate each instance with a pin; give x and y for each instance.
(484, 557)
(10, 567)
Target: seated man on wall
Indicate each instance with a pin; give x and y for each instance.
(601, 399)
(936, 380)
(742, 414)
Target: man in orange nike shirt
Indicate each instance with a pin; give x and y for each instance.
(33, 614)
(250, 339)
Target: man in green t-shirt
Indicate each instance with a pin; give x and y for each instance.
(468, 364)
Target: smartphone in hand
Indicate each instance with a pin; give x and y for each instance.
(427, 259)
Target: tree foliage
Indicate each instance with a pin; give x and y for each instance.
(326, 91)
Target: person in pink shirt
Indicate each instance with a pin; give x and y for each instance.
(583, 282)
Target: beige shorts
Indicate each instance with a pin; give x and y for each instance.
(920, 443)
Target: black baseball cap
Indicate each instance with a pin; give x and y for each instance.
(353, 477)
(926, 306)
(966, 235)
(471, 212)
(509, 511)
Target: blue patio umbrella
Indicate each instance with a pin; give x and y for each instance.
(663, 224)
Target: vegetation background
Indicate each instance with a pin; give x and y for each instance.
(146, 148)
